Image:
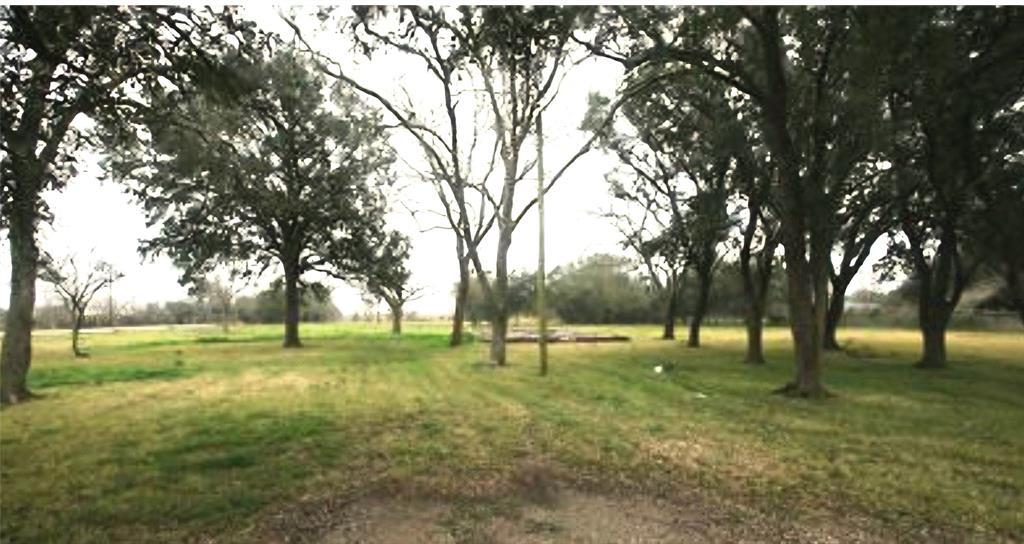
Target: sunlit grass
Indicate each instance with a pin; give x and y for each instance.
(168, 435)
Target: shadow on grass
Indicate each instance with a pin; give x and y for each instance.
(431, 339)
(84, 375)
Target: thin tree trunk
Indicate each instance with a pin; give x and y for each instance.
(755, 290)
(499, 295)
(291, 314)
(669, 331)
(461, 293)
(701, 308)
(836, 305)
(76, 328)
(499, 333)
(16, 353)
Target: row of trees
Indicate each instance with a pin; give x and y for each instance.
(807, 131)
(825, 128)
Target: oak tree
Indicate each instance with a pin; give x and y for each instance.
(280, 177)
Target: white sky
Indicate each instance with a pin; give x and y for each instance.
(95, 215)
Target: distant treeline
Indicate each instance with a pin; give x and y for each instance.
(609, 289)
(266, 306)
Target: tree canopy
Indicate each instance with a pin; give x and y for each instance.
(281, 177)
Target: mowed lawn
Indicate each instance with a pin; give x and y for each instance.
(183, 435)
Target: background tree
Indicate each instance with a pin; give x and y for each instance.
(76, 288)
(995, 229)
(268, 306)
(757, 259)
(601, 289)
(661, 253)
(220, 291)
(280, 177)
(957, 80)
(387, 276)
(682, 163)
(656, 238)
(865, 212)
(521, 298)
(68, 62)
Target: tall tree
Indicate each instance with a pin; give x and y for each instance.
(956, 84)
(280, 177)
(76, 288)
(62, 64)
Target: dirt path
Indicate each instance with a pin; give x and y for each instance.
(567, 515)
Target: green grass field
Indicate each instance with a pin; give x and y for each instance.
(189, 434)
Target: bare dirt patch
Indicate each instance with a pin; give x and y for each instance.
(540, 508)
(573, 516)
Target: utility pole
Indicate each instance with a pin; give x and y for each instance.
(542, 318)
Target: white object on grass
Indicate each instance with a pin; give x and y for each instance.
(658, 369)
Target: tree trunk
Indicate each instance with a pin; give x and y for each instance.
(755, 345)
(291, 314)
(933, 338)
(836, 305)
(669, 331)
(16, 353)
(806, 340)
(755, 291)
(499, 333)
(797, 215)
(76, 328)
(396, 318)
(499, 302)
(806, 280)
(933, 320)
(461, 293)
(701, 308)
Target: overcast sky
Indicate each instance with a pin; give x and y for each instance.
(94, 217)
